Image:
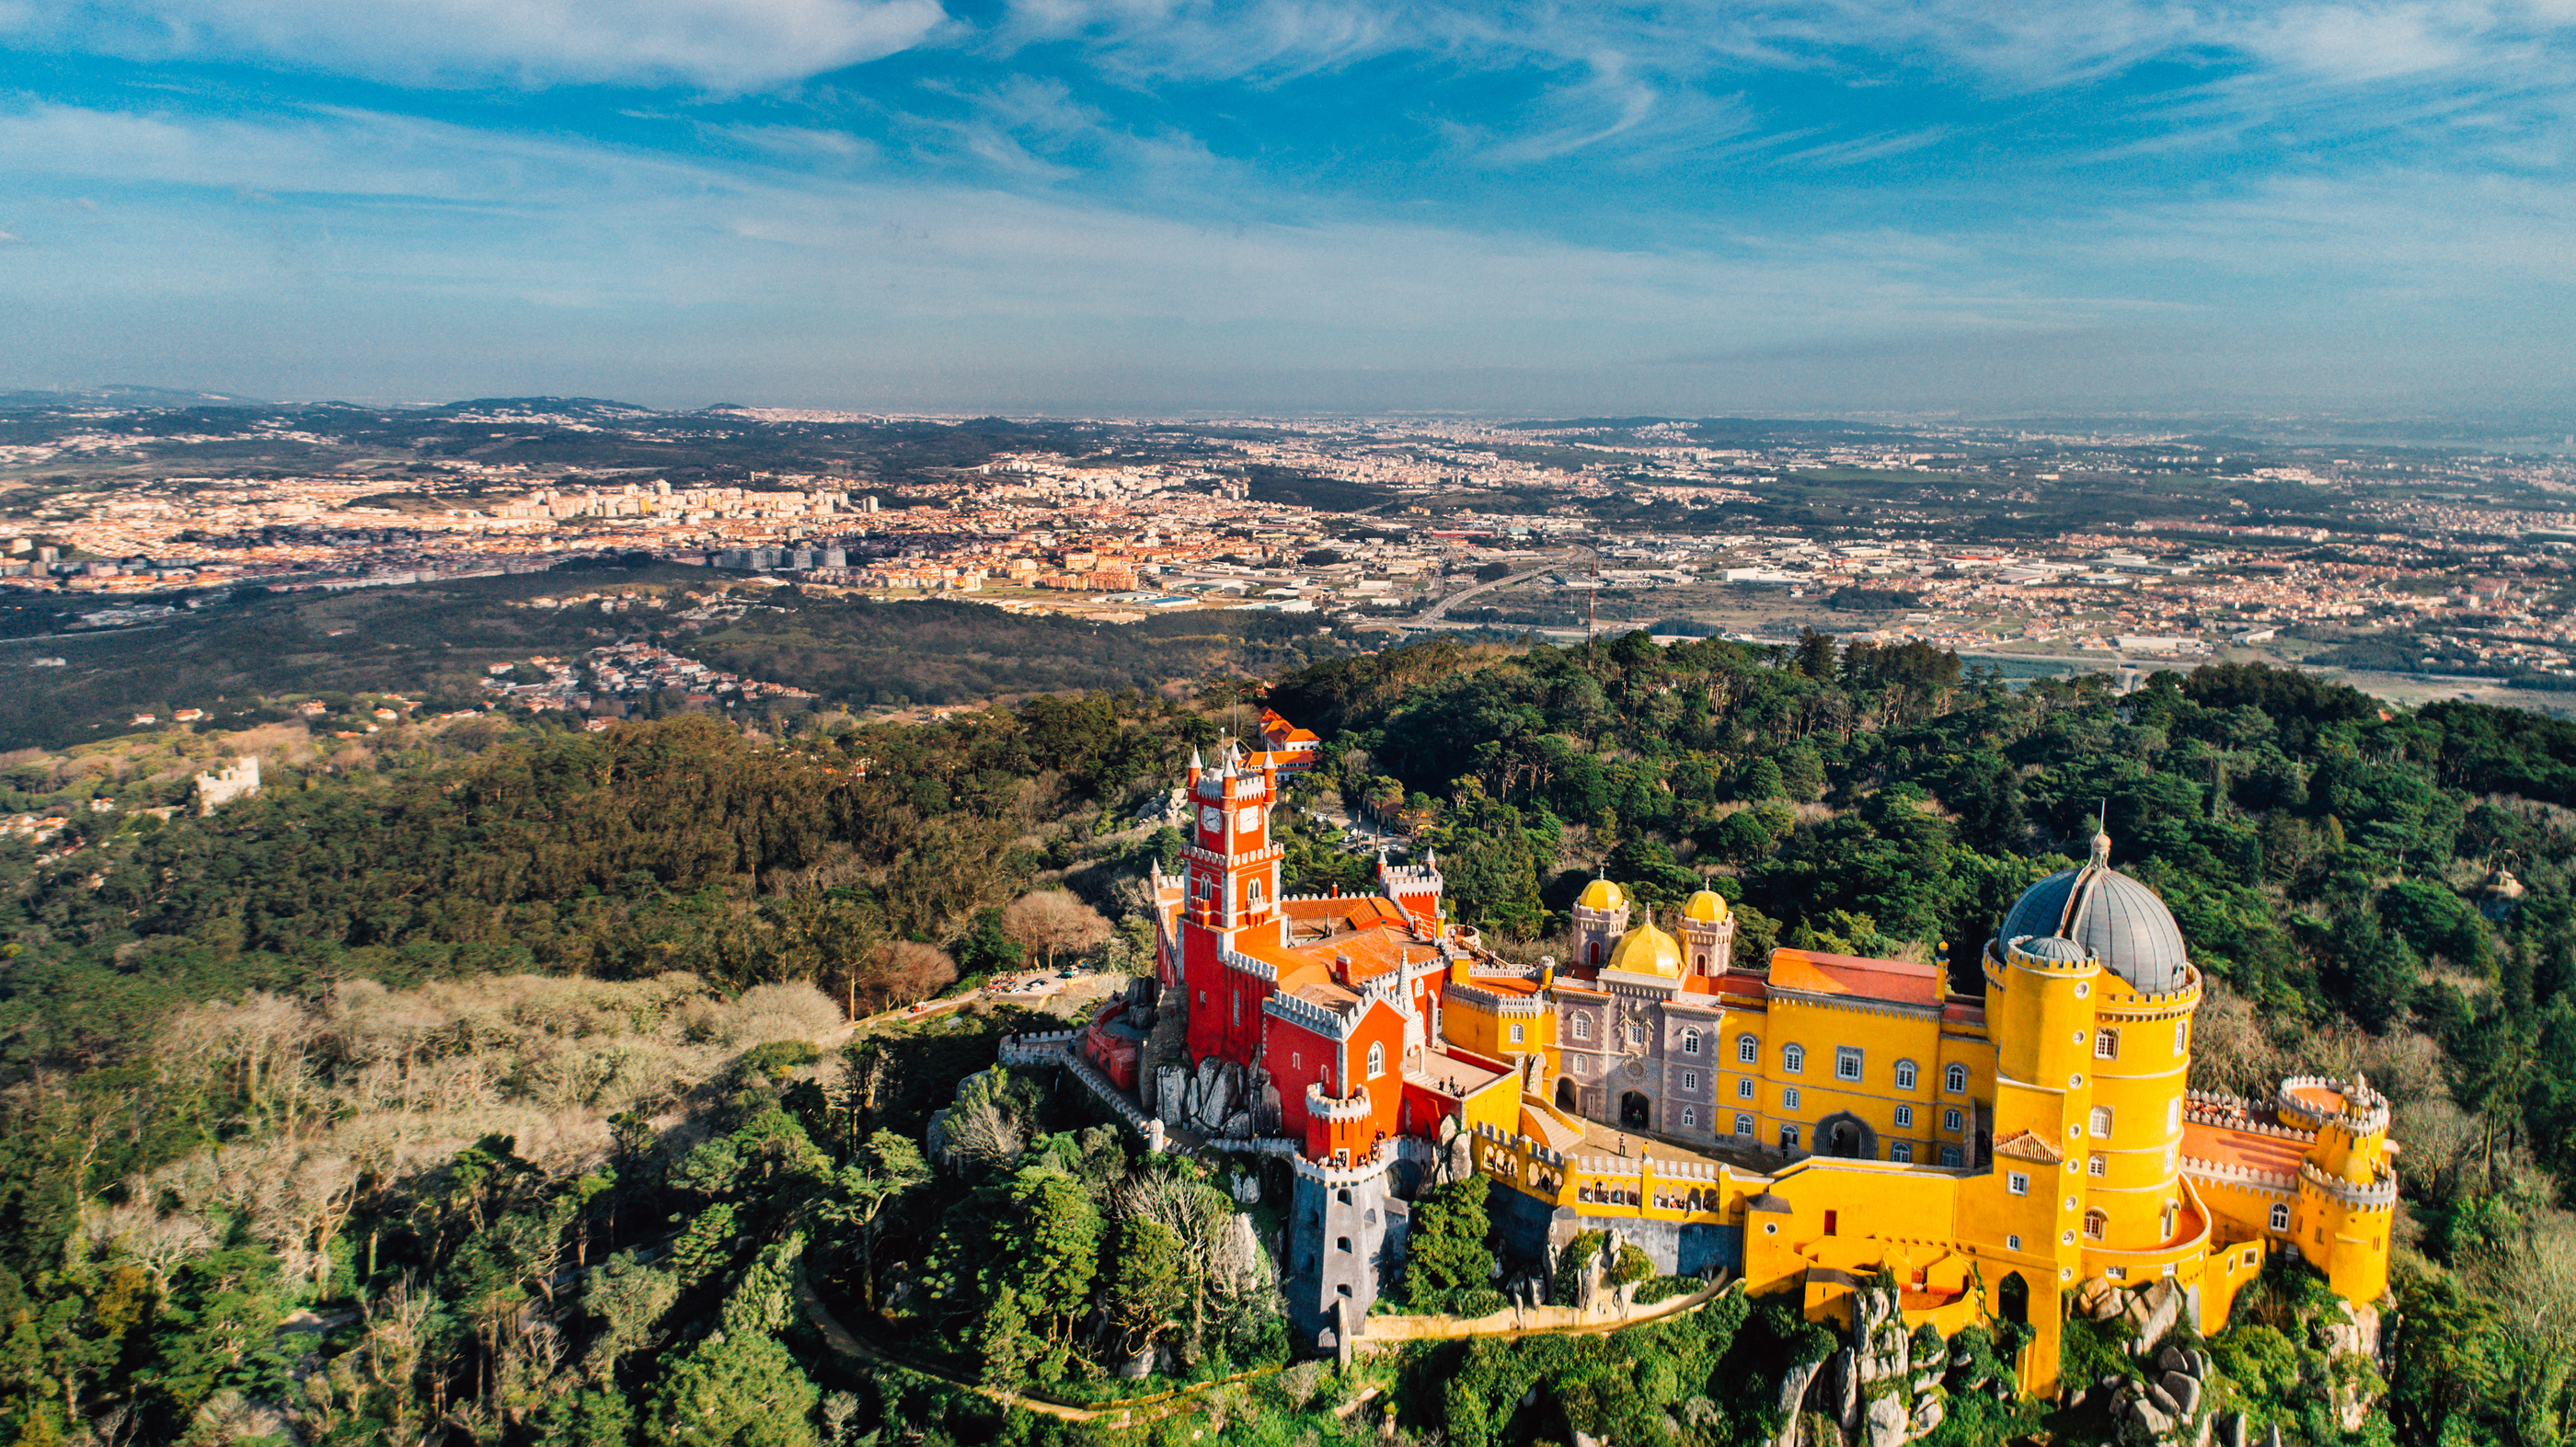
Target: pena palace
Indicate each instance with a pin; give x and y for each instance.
(1801, 1122)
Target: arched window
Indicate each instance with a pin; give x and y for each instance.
(2106, 1044)
(1377, 1061)
(2095, 1223)
(1793, 1059)
(1592, 953)
(1690, 1042)
(1252, 894)
(1747, 1049)
(1582, 1027)
(2280, 1215)
(1954, 1078)
(1905, 1075)
(2102, 1122)
(1699, 962)
(2099, 1165)
(1517, 1034)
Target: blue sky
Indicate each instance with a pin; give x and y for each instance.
(1170, 207)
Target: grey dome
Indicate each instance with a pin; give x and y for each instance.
(2116, 919)
(2050, 948)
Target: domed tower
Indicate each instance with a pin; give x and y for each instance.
(1707, 929)
(2126, 1034)
(1600, 918)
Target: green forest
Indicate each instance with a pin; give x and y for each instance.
(494, 1083)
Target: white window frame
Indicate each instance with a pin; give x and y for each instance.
(1849, 1062)
(1953, 1159)
(2280, 1216)
(2017, 1183)
(1376, 1061)
(1789, 1097)
(1789, 1137)
(2097, 1165)
(1519, 1033)
(1953, 1119)
(1793, 1058)
(1954, 1078)
(1690, 1080)
(1690, 1042)
(2100, 1123)
(1582, 1027)
(1905, 1117)
(1905, 1075)
(1748, 1050)
(1744, 1087)
(1690, 1118)
(2182, 1036)
(1744, 1124)
(2106, 1044)
(1901, 1152)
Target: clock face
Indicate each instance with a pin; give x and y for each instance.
(1247, 820)
(1212, 820)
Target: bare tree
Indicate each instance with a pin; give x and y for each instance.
(1050, 920)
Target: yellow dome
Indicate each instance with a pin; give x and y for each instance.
(1707, 907)
(1647, 950)
(1601, 894)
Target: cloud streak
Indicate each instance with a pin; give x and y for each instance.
(718, 45)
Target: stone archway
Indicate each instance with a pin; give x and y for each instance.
(1564, 1094)
(1847, 1135)
(1636, 1112)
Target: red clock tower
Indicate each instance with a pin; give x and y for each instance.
(1232, 873)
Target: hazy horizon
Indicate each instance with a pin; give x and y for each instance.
(1104, 206)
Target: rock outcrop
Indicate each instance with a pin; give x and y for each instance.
(2172, 1405)
(1886, 1386)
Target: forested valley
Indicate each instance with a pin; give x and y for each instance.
(498, 1084)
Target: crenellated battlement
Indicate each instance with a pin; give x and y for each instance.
(1344, 1109)
(2284, 1182)
(2379, 1194)
(1305, 1014)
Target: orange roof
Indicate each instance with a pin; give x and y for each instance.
(1817, 973)
(1345, 911)
(2024, 1146)
(2205, 1142)
(1504, 984)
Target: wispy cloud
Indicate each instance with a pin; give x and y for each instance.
(723, 45)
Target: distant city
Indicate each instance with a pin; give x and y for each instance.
(1998, 542)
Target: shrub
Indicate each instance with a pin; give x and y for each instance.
(775, 1013)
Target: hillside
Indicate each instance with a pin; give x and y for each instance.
(492, 1083)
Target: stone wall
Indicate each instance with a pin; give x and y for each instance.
(1532, 1232)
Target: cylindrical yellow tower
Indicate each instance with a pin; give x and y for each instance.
(2132, 1144)
(2039, 1004)
(2347, 1189)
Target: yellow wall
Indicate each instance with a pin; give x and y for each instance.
(1473, 1025)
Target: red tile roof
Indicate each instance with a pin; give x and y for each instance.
(1817, 973)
